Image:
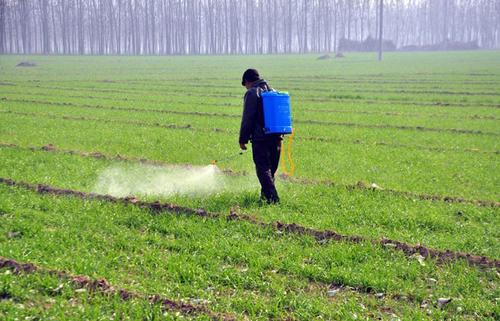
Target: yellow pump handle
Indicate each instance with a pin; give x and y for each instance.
(289, 154)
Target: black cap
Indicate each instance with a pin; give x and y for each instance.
(250, 75)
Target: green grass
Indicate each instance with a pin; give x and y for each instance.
(28, 297)
(433, 224)
(463, 174)
(248, 269)
(253, 272)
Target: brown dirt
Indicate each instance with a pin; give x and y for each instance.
(229, 172)
(417, 128)
(152, 110)
(357, 99)
(103, 286)
(99, 155)
(395, 113)
(26, 64)
(324, 57)
(111, 121)
(220, 130)
(399, 102)
(16, 267)
(364, 186)
(320, 235)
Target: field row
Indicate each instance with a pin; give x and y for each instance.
(371, 88)
(394, 98)
(101, 286)
(243, 278)
(367, 79)
(126, 173)
(235, 283)
(346, 164)
(322, 236)
(355, 211)
(229, 122)
(298, 122)
(476, 122)
(227, 171)
(187, 104)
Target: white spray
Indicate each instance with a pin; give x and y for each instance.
(127, 180)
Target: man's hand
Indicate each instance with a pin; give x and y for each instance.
(243, 146)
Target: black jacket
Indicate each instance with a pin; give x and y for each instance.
(252, 121)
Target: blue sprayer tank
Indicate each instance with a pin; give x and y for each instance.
(277, 112)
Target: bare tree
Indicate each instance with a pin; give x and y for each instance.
(3, 29)
(381, 30)
(45, 31)
(238, 26)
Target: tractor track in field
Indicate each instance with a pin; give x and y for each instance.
(370, 81)
(221, 130)
(340, 98)
(332, 98)
(367, 79)
(121, 108)
(398, 127)
(403, 91)
(102, 286)
(333, 90)
(283, 81)
(424, 197)
(336, 285)
(286, 82)
(112, 99)
(104, 120)
(304, 181)
(309, 122)
(218, 114)
(365, 90)
(395, 113)
(98, 155)
(226, 105)
(322, 236)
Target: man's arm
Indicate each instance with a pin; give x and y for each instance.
(249, 117)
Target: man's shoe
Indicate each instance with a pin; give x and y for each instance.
(273, 200)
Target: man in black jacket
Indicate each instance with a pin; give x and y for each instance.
(266, 148)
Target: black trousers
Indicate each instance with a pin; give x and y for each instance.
(266, 156)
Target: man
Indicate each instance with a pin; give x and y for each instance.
(266, 148)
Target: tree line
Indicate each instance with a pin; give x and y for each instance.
(168, 27)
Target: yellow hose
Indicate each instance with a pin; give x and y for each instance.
(289, 154)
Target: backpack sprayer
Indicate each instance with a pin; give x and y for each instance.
(277, 120)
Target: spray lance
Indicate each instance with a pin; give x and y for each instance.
(225, 159)
(283, 165)
(277, 120)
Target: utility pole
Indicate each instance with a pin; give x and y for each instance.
(380, 30)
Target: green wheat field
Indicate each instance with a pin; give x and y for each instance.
(405, 150)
